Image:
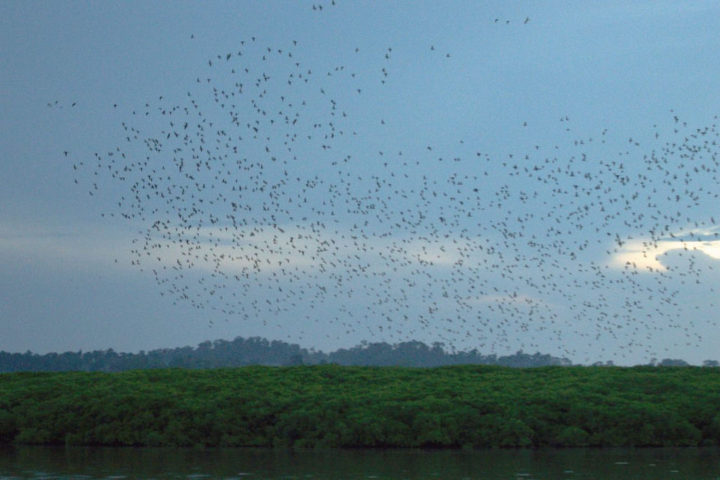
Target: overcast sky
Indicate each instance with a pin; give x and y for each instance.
(493, 175)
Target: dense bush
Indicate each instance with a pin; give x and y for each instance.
(332, 406)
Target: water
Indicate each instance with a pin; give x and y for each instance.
(157, 463)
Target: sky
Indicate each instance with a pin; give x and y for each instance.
(499, 176)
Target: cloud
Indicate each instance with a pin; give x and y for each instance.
(266, 248)
(440, 252)
(249, 250)
(645, 254)
(256, 250)
(515, 298)
(81, 244)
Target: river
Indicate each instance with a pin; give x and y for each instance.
(157, 463)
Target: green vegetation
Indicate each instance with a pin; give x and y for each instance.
(334, 406)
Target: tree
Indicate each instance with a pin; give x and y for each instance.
(672, 362)
(295, 360)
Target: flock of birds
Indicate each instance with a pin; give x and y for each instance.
(262, 194)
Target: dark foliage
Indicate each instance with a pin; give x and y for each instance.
(335, 406)
(259, 351)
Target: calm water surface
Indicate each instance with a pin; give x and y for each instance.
(148, 463)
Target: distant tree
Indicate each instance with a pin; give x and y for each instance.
(711, 363)
(295, 360)
(608, 363)
(260, 351)
(670, 362)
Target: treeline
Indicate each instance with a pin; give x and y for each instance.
(259, 351)
(334, 406)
